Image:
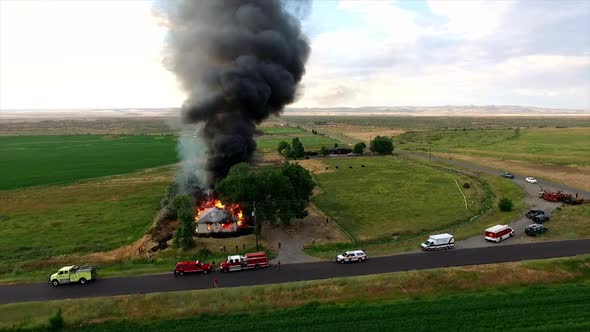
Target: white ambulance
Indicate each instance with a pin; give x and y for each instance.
(498, 233)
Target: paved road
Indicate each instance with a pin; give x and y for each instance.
(295, 272)
(531, 198)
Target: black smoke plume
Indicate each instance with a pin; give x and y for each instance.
(240, 62)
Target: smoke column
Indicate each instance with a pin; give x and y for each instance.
(240, 62)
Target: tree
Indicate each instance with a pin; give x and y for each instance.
(281, 194)
(287, 152)
(505, 204)
(324, 151)
(282, 146)
(297, 150)
(186, 228)
(302, 184)
(56, 321)
(335, 145)
(359, 148)
(382, 145)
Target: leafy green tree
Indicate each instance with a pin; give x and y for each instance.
(324, 151)
(359, 148)
(287, 152)
(297, 150)
(505, 204)
(280, 194)
(382, 145)
(335, 145)
(186, 228)
(282, 146)
(56, 321)
(302, 184)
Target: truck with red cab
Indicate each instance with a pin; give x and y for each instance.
(254, 260)
(192, 267)
(498, 233)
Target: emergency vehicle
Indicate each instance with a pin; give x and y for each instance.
(498, 233)
(72, 274)
(351, 256)
(191, 267)
(438, 242)
(254, 260)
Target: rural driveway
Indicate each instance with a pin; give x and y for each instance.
(295, 272)
(291, 246)
(531, 198)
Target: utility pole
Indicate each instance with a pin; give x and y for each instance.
(429, 147)
(255, 225)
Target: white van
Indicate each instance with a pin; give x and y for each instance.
(439, 241)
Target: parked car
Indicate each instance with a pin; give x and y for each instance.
(192, 267)
(535, 229)
(530, 179)
(507, 175)
(532, 213)
(352, 256)
(541, 218)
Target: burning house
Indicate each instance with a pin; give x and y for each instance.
(239, 63)
(215, 218)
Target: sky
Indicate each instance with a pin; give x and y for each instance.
(108, 54)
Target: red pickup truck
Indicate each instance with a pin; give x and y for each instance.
(191, 267)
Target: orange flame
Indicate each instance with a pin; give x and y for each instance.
(234, 209)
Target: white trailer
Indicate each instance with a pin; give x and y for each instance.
(438, 242)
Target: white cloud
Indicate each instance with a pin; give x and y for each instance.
(82, 54)
(471, 19)
(107, 54)
(483, 52)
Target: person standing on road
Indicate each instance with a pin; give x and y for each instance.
(215, 282)
(279, 265)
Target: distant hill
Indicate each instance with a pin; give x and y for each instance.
(7, 115)
(490, 110)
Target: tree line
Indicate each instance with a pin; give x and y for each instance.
(381, 145)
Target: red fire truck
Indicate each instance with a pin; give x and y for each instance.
(253, 260)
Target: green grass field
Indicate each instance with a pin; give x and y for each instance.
(91, 216)
(273, 135)
(555, 146)
(494, 188)
(41, 160)
(531, 294)
(392, 196)
(559, 308)
(442, 122)
(569, 222)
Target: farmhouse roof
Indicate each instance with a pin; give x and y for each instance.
(214, 215)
